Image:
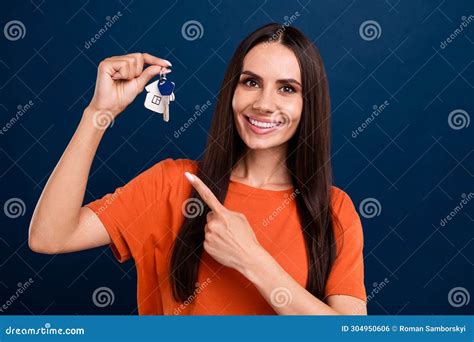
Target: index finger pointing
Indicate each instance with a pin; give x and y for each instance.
(205, 193)
(150, 59)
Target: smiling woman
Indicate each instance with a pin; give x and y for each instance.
(187, 223)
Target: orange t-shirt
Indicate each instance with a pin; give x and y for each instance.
(144, 216)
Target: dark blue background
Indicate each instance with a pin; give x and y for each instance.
(409, 158)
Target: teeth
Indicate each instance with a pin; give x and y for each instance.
(262, 124)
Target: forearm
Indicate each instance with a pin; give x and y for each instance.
(281, 291)
(61, 200)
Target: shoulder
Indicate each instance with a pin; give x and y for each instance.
(172, 170)
(171, 165)
(344, 210)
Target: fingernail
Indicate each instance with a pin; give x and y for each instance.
(168, 62)
(189, 176)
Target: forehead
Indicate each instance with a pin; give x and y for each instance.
(272, 61)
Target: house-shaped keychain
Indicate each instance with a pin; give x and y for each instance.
(154, 100)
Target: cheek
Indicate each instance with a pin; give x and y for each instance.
(294, 108)
(240, 100)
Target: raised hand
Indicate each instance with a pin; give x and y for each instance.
(121, 78)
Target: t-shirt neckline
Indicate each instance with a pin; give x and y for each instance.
(247, 189)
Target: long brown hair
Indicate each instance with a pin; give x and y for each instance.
(308, 162)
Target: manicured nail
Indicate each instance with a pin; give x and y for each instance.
(189, 176)
(168, 62)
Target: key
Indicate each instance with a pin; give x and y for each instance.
(157, 101)
(166, 87)
(166, 105)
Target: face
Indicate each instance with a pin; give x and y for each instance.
(268, 101)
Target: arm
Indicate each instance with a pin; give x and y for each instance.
(59, 211)
(59, 223)
(289, 297)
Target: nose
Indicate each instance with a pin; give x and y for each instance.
(265, 102)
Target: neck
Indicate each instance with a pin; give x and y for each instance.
(261, 168)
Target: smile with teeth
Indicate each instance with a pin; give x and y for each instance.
(261, 124)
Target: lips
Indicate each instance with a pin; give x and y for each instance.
(261, 126)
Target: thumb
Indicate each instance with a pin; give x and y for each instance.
(148, 74)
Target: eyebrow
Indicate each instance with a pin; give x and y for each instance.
(285, 80)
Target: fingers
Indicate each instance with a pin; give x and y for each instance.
(205, 193)
(131, 66)
(150, 59)
(149, 73)
(210, 215)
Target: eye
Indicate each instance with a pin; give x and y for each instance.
(250, 82)
(288, 89)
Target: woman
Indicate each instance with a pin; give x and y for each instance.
(255, 227)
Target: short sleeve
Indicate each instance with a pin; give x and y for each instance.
(128, 213)
(347, 273)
